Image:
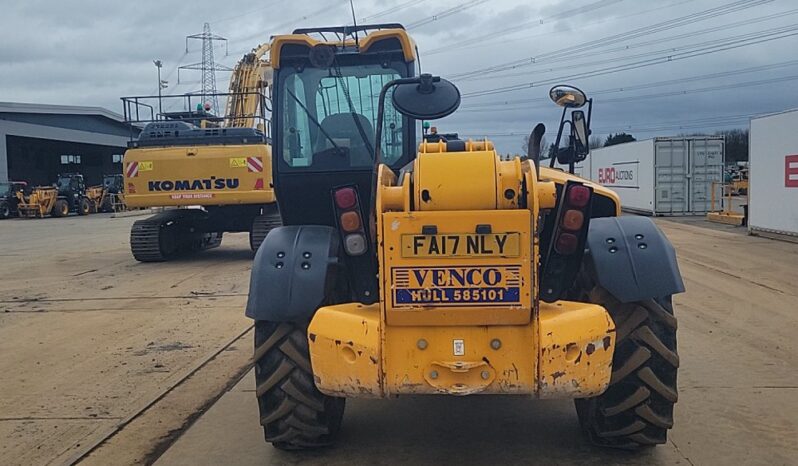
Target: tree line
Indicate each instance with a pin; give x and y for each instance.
(736, 143)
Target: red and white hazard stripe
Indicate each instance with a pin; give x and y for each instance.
(132, 169)
(254, 164)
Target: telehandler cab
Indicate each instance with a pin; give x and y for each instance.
(439, 268)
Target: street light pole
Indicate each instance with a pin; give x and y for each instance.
(158, 65)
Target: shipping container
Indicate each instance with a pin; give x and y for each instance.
(661, 176)
(773, 175)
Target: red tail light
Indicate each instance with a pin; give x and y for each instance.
(578, 196)
(345, 198)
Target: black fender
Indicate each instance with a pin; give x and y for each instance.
(294, 270)
(632, 259)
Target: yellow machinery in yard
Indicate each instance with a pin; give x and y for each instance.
(727, 214)
(439, 269)
(69, 194)
(108, 196)
(40, 203)
(217, 170)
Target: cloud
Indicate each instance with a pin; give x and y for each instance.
(91, 52)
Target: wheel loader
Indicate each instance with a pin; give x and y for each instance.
(438, 268)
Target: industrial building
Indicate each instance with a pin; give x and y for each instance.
(39, 141)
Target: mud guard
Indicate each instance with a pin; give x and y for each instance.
(294, 270)
(632, 259)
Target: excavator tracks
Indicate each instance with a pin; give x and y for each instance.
(166, 235)
(261, 226)
(152, 239)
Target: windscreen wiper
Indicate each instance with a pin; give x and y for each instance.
(359, 125)
(316, 122)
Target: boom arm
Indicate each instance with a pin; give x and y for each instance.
(251, 76)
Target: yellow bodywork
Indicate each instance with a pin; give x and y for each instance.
(96, 196)
(198, 175)
(565, 352)
(365, 43)
(250, 77)
(210, 175)
(458, 311)
(39, 203)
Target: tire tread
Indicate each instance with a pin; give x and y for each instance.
(293, 413)
(636, 410)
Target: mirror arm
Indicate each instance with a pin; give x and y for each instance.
(559, 138)
(380, 118)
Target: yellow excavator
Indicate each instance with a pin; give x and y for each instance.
(439, 269)
(215, 170)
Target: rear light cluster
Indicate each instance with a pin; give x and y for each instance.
(565, 249)
(576, 200)
(350, 221)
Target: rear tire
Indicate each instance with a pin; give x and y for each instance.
(294, 414)
(60, 208)
(636, 410)
(5, 210)
(107, 205)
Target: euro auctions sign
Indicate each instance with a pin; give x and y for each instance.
(622, 175)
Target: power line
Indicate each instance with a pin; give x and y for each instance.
(525, 25)
(648, 85)
(391, 10)
(248, 13)
(677, 93)
(491, 42)
(287, 24)
(623, 48)
(617, 38)
(730, 44)
(444, 14)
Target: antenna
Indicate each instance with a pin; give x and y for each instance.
(354, 20)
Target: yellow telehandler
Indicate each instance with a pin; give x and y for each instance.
(68, 194)
(439, 269)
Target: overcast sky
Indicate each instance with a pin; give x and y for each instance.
(654, 67)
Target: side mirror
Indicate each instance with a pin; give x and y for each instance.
(581, 133)
(567, 96)
(426, 98)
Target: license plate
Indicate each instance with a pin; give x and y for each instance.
(462, 245)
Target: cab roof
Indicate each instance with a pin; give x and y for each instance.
(371, 38)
